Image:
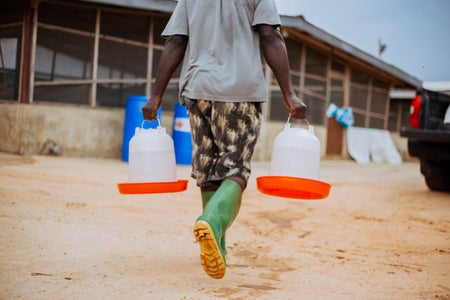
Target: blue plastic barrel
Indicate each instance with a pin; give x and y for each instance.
(133, 119)
(182, 138)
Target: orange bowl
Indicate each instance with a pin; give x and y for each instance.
(293, 187)
(152, 187)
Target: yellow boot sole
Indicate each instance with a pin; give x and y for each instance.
(211, 258)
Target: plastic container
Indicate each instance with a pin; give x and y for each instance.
(182, 136)
(151, 157)
(296, 153)
(293, 187)
(133, 119)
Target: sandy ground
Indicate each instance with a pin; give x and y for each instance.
(66, 233)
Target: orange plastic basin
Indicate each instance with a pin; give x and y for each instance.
(152, 187)
(293, 187)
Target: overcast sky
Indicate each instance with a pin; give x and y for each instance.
(416, 32)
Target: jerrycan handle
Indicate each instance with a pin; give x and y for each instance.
(310, 127)
(159, 122)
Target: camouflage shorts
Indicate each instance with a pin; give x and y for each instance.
(224, 135)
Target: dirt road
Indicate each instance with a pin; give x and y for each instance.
(66, 233)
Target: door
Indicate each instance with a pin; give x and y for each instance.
(335, 131)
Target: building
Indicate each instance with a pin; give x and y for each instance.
(68, 67)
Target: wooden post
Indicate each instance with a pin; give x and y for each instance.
(27, 53)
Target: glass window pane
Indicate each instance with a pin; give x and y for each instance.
(278, 111)
(62, 56)
(316, 63)
(405, 113)
(337, 66)
(159, 25)
(170, 97)
(69, 16)
(318, 87)
(118, 61)
(316, 109)
(358, 97)
(10, 63)
(156, 58)
(360, 120)
(294, 49)
(393, 113)
(137, 26)
(76, 94)
(380, 84)
(379, 102)
(337, 92)
(376, 123)
(295, 80)
(359, 77)
(116, 94)
(394, 108)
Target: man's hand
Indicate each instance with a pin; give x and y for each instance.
(171, 57)
(296, 107)
(150, 109)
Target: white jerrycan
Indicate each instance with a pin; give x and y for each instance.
(296, 153)
(151, 156)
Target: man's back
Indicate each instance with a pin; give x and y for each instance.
(222, 61)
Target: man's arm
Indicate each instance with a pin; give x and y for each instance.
(171, 57)
(275, 53)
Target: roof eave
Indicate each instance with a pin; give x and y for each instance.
(300, 24)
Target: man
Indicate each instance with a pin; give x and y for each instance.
(222, 84)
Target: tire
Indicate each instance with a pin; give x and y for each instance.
(437, 174)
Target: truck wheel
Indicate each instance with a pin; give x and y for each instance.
(437, 174)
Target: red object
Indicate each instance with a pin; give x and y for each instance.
(152, 187)
(293, 187)
(414, 112)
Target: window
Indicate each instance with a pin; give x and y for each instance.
(77, 64)
(359, 77)
(9, 64)
(313, 80)
(378, 102)
(316, 109)
(337, 92)
(62, 56)
(11, 15)
(294, 50)
(278, 111)
(315, 85)
(316, 63)
(359, 97)
(337, 66)
(399, 110)
(369, 100)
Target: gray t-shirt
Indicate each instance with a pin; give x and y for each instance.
(222, 61)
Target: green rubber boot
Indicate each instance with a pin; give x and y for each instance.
(205, 199)
(206, 196)
(209, 229)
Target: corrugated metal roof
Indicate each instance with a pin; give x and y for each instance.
(297, 23)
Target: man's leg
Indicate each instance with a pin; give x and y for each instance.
(235, 128)
(211, 226)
